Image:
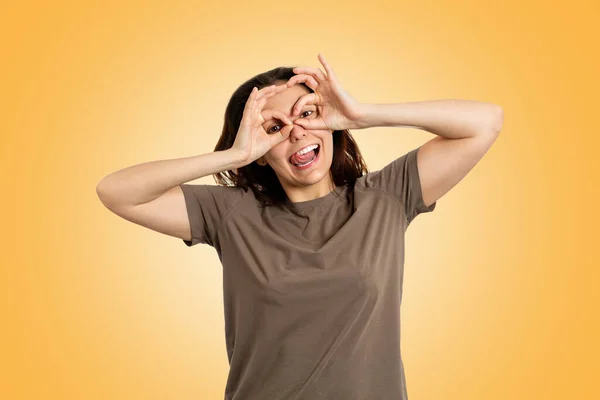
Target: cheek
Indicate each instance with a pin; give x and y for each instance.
(328, 141)
(277, 154)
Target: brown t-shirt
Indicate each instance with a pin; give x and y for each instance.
(312, 290)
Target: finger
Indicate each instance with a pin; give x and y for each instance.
(269, 114)
(311, 124)
(315, 72)
(279, 137)
(266, 96)
(283, 118)
(278, 88)
(327, 67)
(307, 99)
(256, 100)
(248, 114)
(286, 120)
(250, 101)
(257, 110)
(272, 91)
(308, 79)
(259, 103)
(255, 95)
(268, 91)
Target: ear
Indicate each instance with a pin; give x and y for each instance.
(261, 161)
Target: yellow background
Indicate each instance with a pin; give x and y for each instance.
(501, 282)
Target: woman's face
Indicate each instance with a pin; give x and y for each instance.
(292, 178)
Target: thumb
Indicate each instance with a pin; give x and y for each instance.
(311, 124)
(281, 136)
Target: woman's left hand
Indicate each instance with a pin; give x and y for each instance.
(337, 109)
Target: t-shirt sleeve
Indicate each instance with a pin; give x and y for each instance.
(207, 206)
(400, 179)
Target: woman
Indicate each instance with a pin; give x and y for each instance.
(312, 248)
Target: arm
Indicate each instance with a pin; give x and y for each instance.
(466, 130)
(451, 119)
(150, 195)
(145, 182)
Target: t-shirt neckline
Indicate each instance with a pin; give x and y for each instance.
(328, 198)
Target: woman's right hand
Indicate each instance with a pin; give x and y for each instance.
(252, 141)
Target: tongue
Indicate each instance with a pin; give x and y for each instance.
(303, 159)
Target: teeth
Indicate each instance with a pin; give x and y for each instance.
(307, 149)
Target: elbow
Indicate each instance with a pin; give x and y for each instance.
(492, 123)
(497, 119)
(102, 194)
(101, 188)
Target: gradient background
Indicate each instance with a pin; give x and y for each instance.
(501, 286)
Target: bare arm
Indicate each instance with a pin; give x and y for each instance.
(145, 182)
(149, 195)
(466, 130)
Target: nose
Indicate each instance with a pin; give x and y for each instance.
(297, 132)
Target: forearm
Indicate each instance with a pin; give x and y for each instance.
(145, 182)
(452, 119)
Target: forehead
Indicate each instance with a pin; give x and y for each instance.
(285, 100)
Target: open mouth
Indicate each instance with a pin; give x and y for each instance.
(309, 162)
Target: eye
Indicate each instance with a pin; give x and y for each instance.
(271, 128)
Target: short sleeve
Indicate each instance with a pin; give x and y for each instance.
(207, 206)
(400, 179)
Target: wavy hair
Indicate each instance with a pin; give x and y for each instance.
(347, 164)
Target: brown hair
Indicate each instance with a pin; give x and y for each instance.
(347, 164)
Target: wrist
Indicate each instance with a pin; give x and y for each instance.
(240, 158)
(366, 116)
